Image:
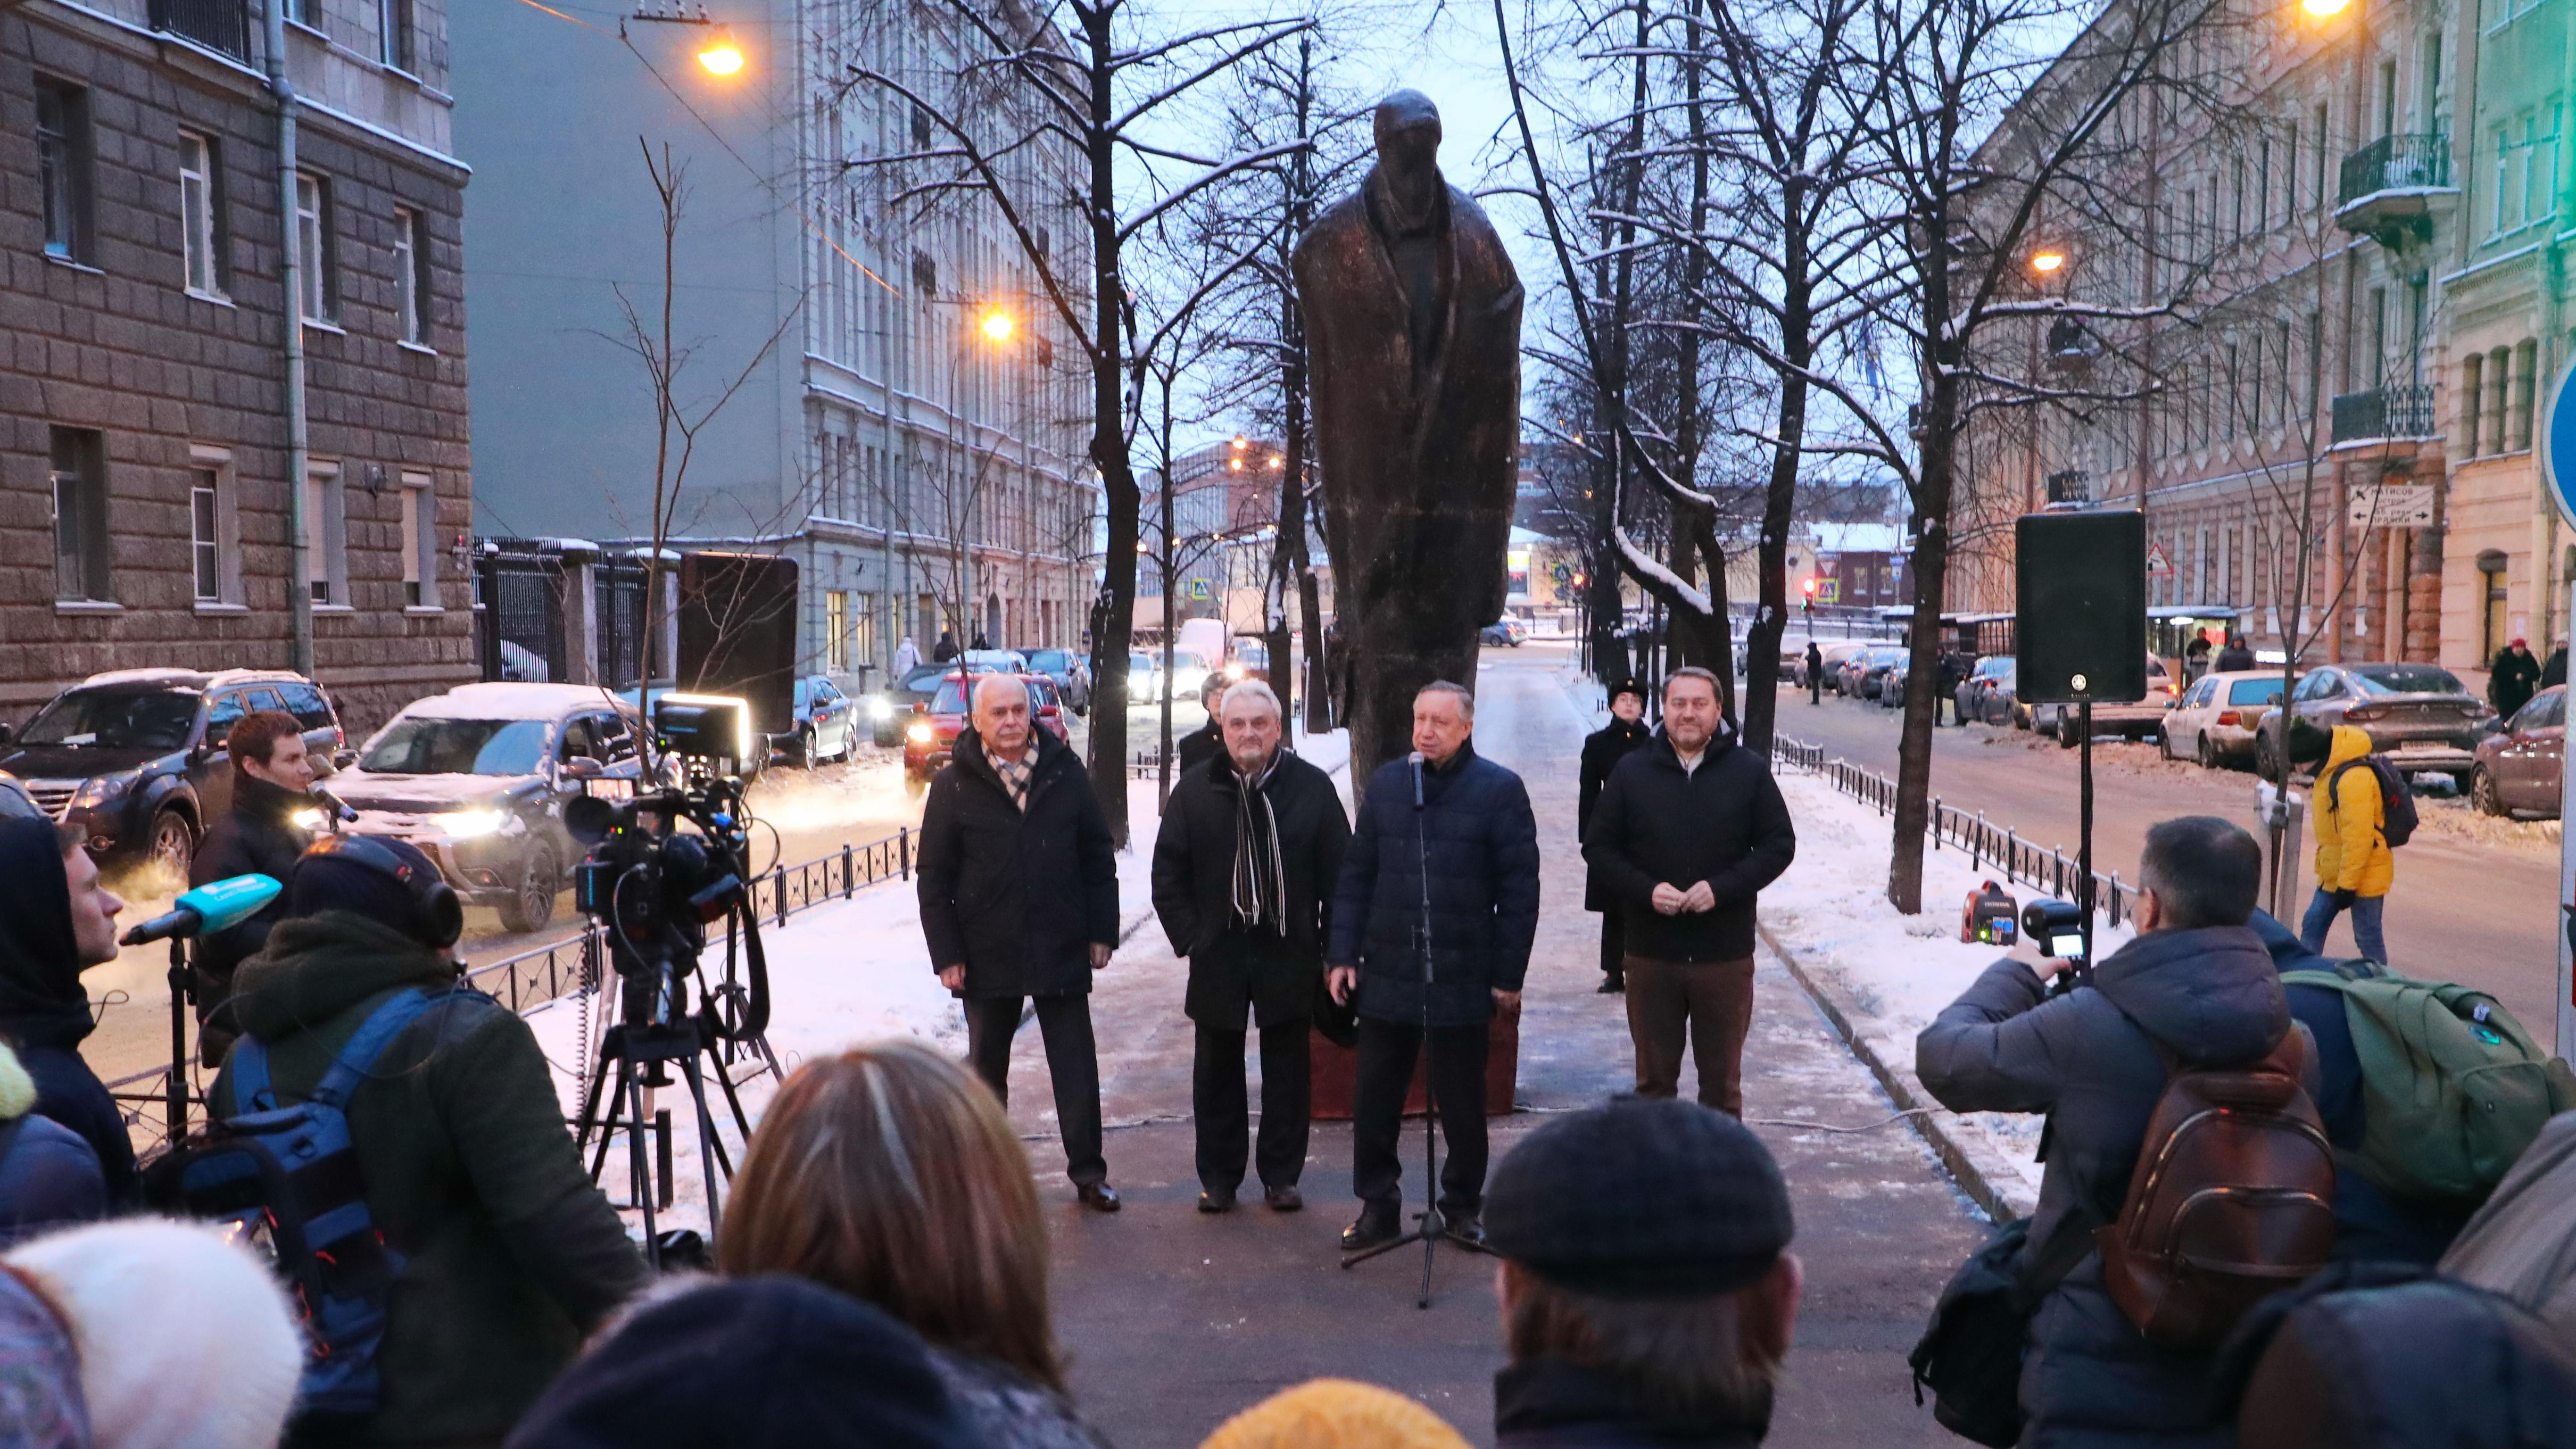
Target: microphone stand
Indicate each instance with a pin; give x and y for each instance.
(183, 998)
(1429, 1227)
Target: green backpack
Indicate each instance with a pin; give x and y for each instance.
(2453, 1088)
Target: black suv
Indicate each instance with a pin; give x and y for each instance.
(135, 758)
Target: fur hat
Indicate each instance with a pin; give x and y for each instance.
(1335, 1414)
(185, 1341)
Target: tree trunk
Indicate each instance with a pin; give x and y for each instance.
(1115, 614)
(1780, 497)
(1931, 571)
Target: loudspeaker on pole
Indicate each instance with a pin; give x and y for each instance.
(2082, 605)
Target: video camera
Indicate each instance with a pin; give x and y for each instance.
(2057, 929)
(656, 889)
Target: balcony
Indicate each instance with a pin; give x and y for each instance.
(2070, 485)
(2395, 189)
(218, 25)
(2383, 414)
(2071, 347)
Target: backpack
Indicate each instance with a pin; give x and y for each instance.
(2396, 799)
(2453, 1088)
(2232, 1199)
(284, 1180)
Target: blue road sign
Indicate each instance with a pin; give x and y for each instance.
(2558, 442)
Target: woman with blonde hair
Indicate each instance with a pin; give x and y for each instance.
(890, 1174)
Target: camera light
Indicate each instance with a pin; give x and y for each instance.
(308, 821)
(467, 824)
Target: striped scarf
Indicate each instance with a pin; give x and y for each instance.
(1015, 776)
(1260, 874)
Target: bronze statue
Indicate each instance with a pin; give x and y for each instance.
(1413, 334)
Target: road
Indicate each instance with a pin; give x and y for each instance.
(1174, 1320)
(2473, 896)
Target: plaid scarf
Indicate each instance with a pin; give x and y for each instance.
(1260, 876)
(1015, 775)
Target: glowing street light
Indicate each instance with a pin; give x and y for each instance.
(997, 326)
(721, 56)
(2047, 261)
(2324, 9)
(1241, 443)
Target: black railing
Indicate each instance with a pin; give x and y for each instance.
(2404, 410)
(220, 25)
(2394, 163)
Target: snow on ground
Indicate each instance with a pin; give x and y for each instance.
(841, 974)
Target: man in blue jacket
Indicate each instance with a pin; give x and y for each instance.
(1446, 830)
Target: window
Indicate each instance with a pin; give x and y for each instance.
(395, 28)
(80, 516)
(836, 630)
(2499, 392)
(925, 274)
(411, 275)
(201, 228)
(2471, 396)
(419, 542)
(63, 161)
(2503, 160)
(2525, 374)
(313, 249)
(2319, 164)
(326, 575)
(205, 548)
(865, 627)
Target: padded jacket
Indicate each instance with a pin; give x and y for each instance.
(2348, 822)
(1019, 896)
(1480, 840)
(1723, 823)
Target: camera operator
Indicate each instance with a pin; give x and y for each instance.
(57, 921)
(1019, 900)
(257, 836)
(510, 1253)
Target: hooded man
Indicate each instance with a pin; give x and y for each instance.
(272, 774)
(2355, 867)
(1603, 749)
(2235, 656)
(509, 1253)
(57, 921)
(907, 657)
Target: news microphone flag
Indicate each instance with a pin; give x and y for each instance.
(214, 906)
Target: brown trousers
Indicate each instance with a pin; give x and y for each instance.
(1707, 1003)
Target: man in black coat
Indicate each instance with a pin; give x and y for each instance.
(1244, 866)
(1019, 899)
(57, 921)
(1207, 741)
(1689, 830)
(1947, 676)
(2553, 671)
(2235, 657)
(1603, 749)
(2515, 678)
(1456, 832)
(257, 836)
(1815, 673)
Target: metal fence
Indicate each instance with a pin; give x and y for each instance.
(1990, 846)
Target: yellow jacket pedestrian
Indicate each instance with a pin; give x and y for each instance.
(2349, 821)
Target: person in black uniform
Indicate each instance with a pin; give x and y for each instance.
(1603, 749)
(1815, 673)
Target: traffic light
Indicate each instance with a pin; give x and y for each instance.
(1809, 587)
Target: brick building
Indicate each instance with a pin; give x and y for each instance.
(145, 431)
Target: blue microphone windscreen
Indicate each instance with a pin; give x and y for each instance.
(223, 904)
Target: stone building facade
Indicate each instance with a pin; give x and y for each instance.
(143, 405)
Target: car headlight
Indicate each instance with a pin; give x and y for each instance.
(467, 824)
(1234, 670)
(880, 709)
(309, 821)
(921, 733)
(100, 789)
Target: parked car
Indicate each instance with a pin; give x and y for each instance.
(1070, 674)
(135, 757)
(1250, 660)
(1505, 632)
(1834, 654)
(16, 803)
(2519, 766)
(827, 723)
(1863, 672)
(1893, 679)
(2131, 719)
(477, 778)
(2419, 715)
(1144, 675)
(931, 737)
(1974, 697)
(2214, 721)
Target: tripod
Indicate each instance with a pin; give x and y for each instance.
(641, 1053)
(1429, 1228)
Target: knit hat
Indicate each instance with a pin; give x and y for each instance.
(1641, 1199)
(185, 1341)
(750, 1363)
(1335, 1414)
(335, 874)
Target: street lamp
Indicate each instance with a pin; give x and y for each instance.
(2324, 9)
(721, 56)
(2051, 259)
(997, 326)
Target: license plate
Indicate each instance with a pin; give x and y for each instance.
(2423, 747)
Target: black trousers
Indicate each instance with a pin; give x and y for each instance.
(1457, 1069)
(1614, 942)
(1217, 1102)
(1073, 1063)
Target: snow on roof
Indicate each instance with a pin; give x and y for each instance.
(1857, 537)
(508, 700)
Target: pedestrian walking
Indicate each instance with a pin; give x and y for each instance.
(889, 1176)
(1815, 674)
(2355, 867)
(2195, 989)
(57, 921)
(1647, 1288)
(2235, 656)
(2514, 679)
(1603, 749)
(2553, 672)
(1688, 831)
(1250, 848)
(258, 836)
(907, 657)
(509, 1252)
(1444, 856)
(1207, 741)
(2195, 658)
(946, 649)
(1019, 901)
(1947, 674)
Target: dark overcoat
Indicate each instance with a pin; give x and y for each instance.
(1480, 841)
(1603, 749)
(1019, 897)
(1194, 856)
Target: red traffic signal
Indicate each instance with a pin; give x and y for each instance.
(1810, 587)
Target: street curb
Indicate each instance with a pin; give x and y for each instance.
(1904, 1091)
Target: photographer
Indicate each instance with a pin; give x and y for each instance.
(257, 836)
(57, 921)
(1019, 900)
(510, 1253)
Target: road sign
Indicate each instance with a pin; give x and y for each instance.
(2158, 566)
(1829, 591)
(1563, 573)
(2558, 442)
(2390, 505)
(1198, 588)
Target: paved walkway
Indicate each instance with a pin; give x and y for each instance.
(1174, 1320)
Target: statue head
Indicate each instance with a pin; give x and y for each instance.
(1408, 148)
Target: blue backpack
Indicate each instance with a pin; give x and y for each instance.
(284, 1180)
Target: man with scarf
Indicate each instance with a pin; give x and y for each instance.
(258, 836)
(57, 921)
(1250, 846)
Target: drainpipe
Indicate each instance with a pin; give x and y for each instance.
(299, 444)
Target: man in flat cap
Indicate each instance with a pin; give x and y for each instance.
(1653, 1308)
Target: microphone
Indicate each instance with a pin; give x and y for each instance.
(215, 906)
(1416, 758)
(333, 807)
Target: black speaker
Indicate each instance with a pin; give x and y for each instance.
(2082, 632)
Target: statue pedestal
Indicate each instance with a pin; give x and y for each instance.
(1335, 1072)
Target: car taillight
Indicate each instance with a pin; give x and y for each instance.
(2230, 717)
(2362, 713)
